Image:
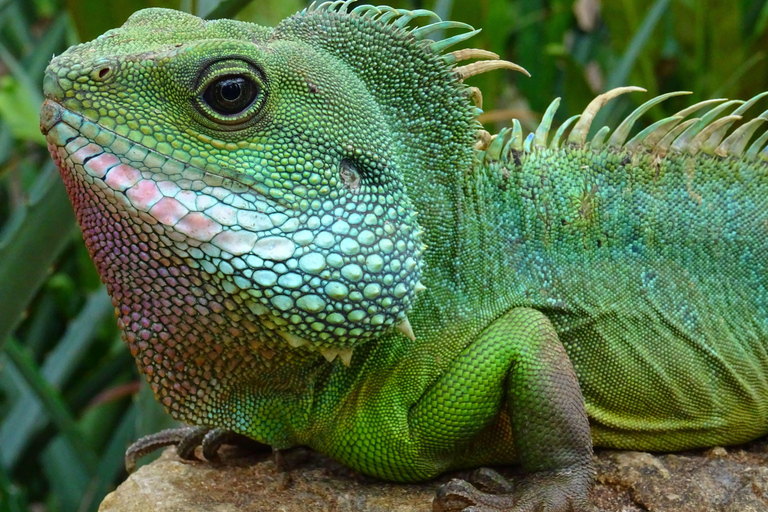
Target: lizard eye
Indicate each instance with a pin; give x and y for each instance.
(231, 95)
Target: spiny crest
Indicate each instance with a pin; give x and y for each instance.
(400, 18)
(672, 135)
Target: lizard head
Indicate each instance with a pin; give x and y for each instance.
(235, 182)
(266, 165)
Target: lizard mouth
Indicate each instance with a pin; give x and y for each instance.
(53, 114)
(249, 248)
(201, 205)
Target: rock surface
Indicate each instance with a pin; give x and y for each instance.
(733, 479)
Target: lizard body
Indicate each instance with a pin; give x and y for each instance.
(303, 246)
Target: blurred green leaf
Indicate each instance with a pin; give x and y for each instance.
(32, 242)
(36, 60)
(69, 476)
(112, 462)
(51, 399)
(12, 498)
(26, 417)
(19, 110)
(268, 14)
(20, 103)
(90, 26)
(224, 9)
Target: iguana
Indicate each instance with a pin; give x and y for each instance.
(309, 240)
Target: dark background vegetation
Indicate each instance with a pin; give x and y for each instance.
(70, 399)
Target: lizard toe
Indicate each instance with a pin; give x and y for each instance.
(187, 439)
(562, 491)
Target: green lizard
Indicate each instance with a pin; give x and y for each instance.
(309, 240)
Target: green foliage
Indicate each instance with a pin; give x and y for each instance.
(68, 386)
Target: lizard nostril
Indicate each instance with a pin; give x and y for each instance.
(102, 73)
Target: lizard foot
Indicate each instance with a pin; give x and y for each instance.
(563, 491)
(186, 440)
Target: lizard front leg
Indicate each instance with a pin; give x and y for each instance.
(519, 363)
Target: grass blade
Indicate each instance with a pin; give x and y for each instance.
(33, 240)
(27, 417)
(52, 401)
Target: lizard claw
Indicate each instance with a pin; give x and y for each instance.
(186, 439)
(562, 491)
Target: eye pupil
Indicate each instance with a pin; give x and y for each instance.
(231, 95)
(231, 89)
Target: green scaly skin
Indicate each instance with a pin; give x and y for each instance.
(261, 256)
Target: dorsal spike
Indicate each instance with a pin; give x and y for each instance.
(528, 143)
(697, 106)
(662, 146)
(344, 6)
(472, 53)
(682, 142)
(510, 146)
(542, 132)
(482, 140)
(365, 9)
(476, 96)
(505, 153)
(555, 144)
(487, 65)
(422, 32)
(599, 139)
(389, 15)
(711, 145)
(516, 140)
(653, 133)
(622, 132)
(754, 149)
(440, 46)
(579, 133)
(409, 16)
(695, 144)
(496, 147)
(736, 142)
(754, 99)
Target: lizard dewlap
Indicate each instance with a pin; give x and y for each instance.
(309, 240)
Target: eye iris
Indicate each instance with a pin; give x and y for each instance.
(231, 95)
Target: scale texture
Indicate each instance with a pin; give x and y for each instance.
(309, 240)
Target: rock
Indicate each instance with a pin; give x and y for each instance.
(724, 480)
